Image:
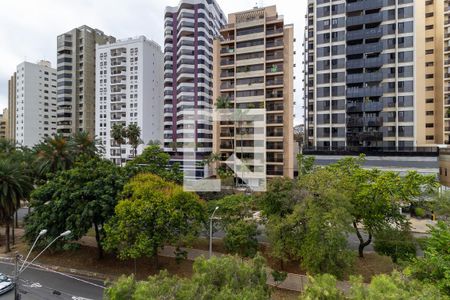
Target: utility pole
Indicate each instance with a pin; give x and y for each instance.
(16, 276)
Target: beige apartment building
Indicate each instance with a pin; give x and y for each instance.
(446, 70)
(253, 68)
(12, 107)
(4, 125)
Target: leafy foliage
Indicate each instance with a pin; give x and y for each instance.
(133, 133)
(241, 238)
(305, 164)
(76, 199)
(153, 213)
(226, 277)
(396, 243)
(154, 160)
(381, 287)
(434, 267)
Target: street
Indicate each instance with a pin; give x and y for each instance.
(40, 284)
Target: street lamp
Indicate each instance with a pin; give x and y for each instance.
(24, 266)
(211, 231)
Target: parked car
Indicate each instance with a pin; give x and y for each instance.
(6, 284)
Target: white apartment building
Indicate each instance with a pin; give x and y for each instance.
(35, 102)
(129, 89)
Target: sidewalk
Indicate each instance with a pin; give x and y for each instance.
(293, 282)
(421, 225)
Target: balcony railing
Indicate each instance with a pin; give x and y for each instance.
(364, 5)
(365, 34)
(365, 77)
(365, 48)
(274, 31)
(365, 19)
(275, 43)
(364, 92)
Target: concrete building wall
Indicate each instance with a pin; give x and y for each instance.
(12, 107)
(253, 68)
(35, 102)
(129, 89)
(4, 124)
(76, 79)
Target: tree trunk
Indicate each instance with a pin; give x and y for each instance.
(13, 234)
(16, 219)
(99, 244)
(7, 248)
(362, 243)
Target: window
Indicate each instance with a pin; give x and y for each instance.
(429, 125)
(430, 137)
(428, 52)
(429, 27)
(429, 113)
(429, 100)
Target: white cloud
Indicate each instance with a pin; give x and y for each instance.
(28, 28)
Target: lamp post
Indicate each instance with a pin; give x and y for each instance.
(211, 231)
(24, 266)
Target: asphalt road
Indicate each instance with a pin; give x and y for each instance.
(46, 285)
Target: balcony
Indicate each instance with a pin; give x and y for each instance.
(276, 81)
(365, 48)
(364, 92)
(365, 136)
(274, 31)
(365, 77)
(227, 51)
(373, 106)
(226, 74)
(372, 62)
(365, 34)
(364, 5)
(365, 19)
(274, 43)
(373, 121)
(274, 56)
(226, 62)
(272, 95)
(275, 69)
(354, 107)
(355, 122)
(226, 85)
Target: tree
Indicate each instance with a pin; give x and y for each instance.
(133, 133)
(376, 196)
(299, 135)
(118, 134)
(381, 287)
(225, 277)
(305, 164)
(154, 160)
(241, 238)
(396, 243)
(14, 186)
(223, 102)
(84, 145)
(434, 266)
(280, 198)
(152, 214)
(76, 199)
(232, 208)
(54, 154)
(6, 147)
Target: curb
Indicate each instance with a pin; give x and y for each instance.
(82, 273)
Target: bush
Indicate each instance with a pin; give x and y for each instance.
(398, 244)
(420, 212)
(241, 238)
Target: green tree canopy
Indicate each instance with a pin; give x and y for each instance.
(225, 277)
(154, 160)
(76, 199)
(153, 213)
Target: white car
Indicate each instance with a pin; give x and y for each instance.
(6, 284)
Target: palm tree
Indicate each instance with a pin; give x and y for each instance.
(134, 136)
(6, 146)
(84, 144)
(119, 133)
(54, 154)
(14, 186)
(223, 102)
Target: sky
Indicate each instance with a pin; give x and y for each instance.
(28, 28)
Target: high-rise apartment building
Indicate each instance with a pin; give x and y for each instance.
(189, 29)
(374, 73)
(12, 107)
(4, 125)
(35, 102)
(129, 90)
(446, 71)
(76, 79)
(253, 68)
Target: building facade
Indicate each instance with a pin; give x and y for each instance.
(12, 107)
(76, 79)
(446, 71)
(253, 69)
(189, 29)
(373, 73)
(36, 102)
(4, 125)
(129, 89)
